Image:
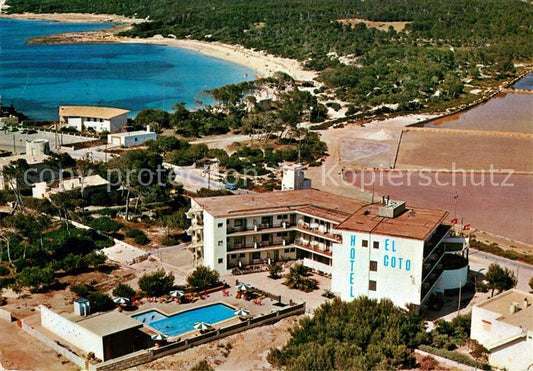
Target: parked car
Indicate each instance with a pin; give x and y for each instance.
(231, 186)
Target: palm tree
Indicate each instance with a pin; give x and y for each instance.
(298, 278)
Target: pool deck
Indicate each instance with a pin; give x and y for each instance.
(173, 308)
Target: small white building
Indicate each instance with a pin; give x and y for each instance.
(84, 184)
(93, 117)
(36, 164)
(131, 138)
(294, 178)
(504, 325)
(107, 335)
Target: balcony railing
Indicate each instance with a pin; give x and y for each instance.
(259, 227)
(304, 227)
(257, 245)
(311, 248)
(439, 234)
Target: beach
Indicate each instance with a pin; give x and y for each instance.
(264, 64)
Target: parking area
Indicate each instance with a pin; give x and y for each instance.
(16, 141)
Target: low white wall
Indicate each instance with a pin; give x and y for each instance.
(452, 279)
(318, 266)
(72, 332)
(5, 315)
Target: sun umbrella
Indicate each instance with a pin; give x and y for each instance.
(241, 312)
(244, 286)
(202, 326)
(177, 293)
(121, 300)
(159, 337)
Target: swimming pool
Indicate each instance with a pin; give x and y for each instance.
(183, 322)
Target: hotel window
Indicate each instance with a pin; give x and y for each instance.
(376, 245)
(265, 220)
(364, 243)
(241, 255)
(372, 285)
(220, 225)
(286, 251)
(256, 255)
(220, 260)
(237, 222)
(234, 256)
(220, 243)
(373, 266)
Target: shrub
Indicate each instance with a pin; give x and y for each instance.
(169, 241)
(142, 239)
(81, 290)
(428, 363)
(157, 283)
(36, 279)
(455, 356)
(4, 271)
(100, 302)
(106, 224)
(202, 278)
(123, 290)
(274, 271)
(298, 278)
(202, 365)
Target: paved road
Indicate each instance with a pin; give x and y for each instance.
(169, 248)
(479, 260)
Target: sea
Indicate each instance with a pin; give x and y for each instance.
(37, 79)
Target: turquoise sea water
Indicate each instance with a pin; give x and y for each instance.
(39, 78)
(184, 322)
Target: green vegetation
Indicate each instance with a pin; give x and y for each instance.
(455, 356)
(449, 335)
(274, 270)
(493, 248)
(203, 278)
(106, 224)
(123, 290)
(444, 44)
(100, 302)
(360, 335)
(138, 236)
(157, 283)
(298, 278)
(499, 278)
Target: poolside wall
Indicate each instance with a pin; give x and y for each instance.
(144, 356)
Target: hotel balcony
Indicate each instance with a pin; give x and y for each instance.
(194, 212)
(315, 248)
(318, 232)
(435, 240)
(259, 228)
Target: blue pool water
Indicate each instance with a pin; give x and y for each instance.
(184, 322)
(39, 78)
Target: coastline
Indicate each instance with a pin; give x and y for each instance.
(263, 64)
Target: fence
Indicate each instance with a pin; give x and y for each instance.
(78, 361)
(144, 356)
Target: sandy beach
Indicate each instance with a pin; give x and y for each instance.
(264, 64)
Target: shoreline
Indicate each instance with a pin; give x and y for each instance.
(263, 64)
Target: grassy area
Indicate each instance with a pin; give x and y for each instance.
(493, 248)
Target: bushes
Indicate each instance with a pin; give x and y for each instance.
(202, 278)
(36, 279)
(138, 236)
(455, 356)
(4, 271)
(100, 302)
(496, 250)
(157, 283)
(106, 224)
(274, 271)
(363, 334)
(298, 278)
(123, 290)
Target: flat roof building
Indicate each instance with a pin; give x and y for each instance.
(131, 138)
(94, 118)
(504, 325)
(84, 184)
(378, 250)
(107, 335)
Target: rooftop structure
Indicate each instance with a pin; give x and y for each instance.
(87, 183)
(378, 249)
(504, 325)
(94, 118)
(131, 138)
(107, 335)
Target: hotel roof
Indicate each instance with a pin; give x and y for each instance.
(413, 223)
(91, 111)
(501, 304)
(353, 215)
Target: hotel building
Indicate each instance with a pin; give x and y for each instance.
(381, 250)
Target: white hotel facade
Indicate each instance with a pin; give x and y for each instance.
(378, 250)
